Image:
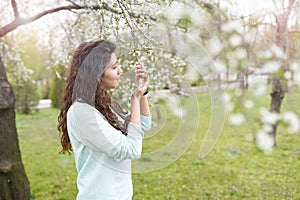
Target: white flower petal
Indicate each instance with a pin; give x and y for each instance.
(264, 141)
(236, 119)
(293, 121)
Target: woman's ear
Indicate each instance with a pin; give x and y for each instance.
(101, 82)
(100, 77)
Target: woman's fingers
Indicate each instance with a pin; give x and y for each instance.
(142, 77)
(141, 73)
(139, 65)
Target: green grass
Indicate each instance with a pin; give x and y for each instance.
(51, 175)
(234, 169)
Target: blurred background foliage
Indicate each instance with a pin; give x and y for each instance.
(247, 45)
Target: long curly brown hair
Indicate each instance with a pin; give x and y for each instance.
(83, 83)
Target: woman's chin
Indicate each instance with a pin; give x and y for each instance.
(115, 86)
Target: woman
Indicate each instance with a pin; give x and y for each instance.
(103, 137)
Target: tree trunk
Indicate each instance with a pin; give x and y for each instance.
(277, 97)
(240, 77)
(278, 89)
(14, 184)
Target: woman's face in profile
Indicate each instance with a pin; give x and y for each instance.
(111, 76)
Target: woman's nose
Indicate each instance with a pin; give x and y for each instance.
(120, 71)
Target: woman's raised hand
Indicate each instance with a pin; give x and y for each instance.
(139, 103)
(141, 77)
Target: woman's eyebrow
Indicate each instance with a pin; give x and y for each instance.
(113, 64)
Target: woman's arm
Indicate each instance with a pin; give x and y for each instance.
(135, 116)
(144, 106)
(146, 119)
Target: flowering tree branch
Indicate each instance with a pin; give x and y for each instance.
(18, 21)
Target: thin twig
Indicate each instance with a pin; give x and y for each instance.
(72, 2)
(21, 21)
(15, 8)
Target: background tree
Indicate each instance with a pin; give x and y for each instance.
(26, 75)
(261, 49)
(272, 57)
(57, 85)
(279, 84)
(249, 50)
(13, 181)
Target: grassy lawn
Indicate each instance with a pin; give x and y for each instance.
(234, 169)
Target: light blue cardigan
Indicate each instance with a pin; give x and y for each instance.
(102, 153)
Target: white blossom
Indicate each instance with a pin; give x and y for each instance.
(264, 141)
(231, 26)
(241, 53)
(271, 67)
(267, 54)
(174, 12)
(249, 104)
(295, 66)
(174, 105)
(261, 90)
(253, 81)
(215, 46)
(220, 66)
(227, 97)
(191, 74)
(194, 33)
(197, 16)
(288, 75)
(293, 121)
(267, 128)
(237, 119)
(278, 52)
(201, 64)
(233, 63)
(250, 36)
(296, 78)
(229, 107)
(267, 117)
(235, 40)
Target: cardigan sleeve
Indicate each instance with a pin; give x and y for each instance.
(96, 133)
(146, 122)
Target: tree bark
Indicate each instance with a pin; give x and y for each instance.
(277, 96)
(278, 90)
(14, 184)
